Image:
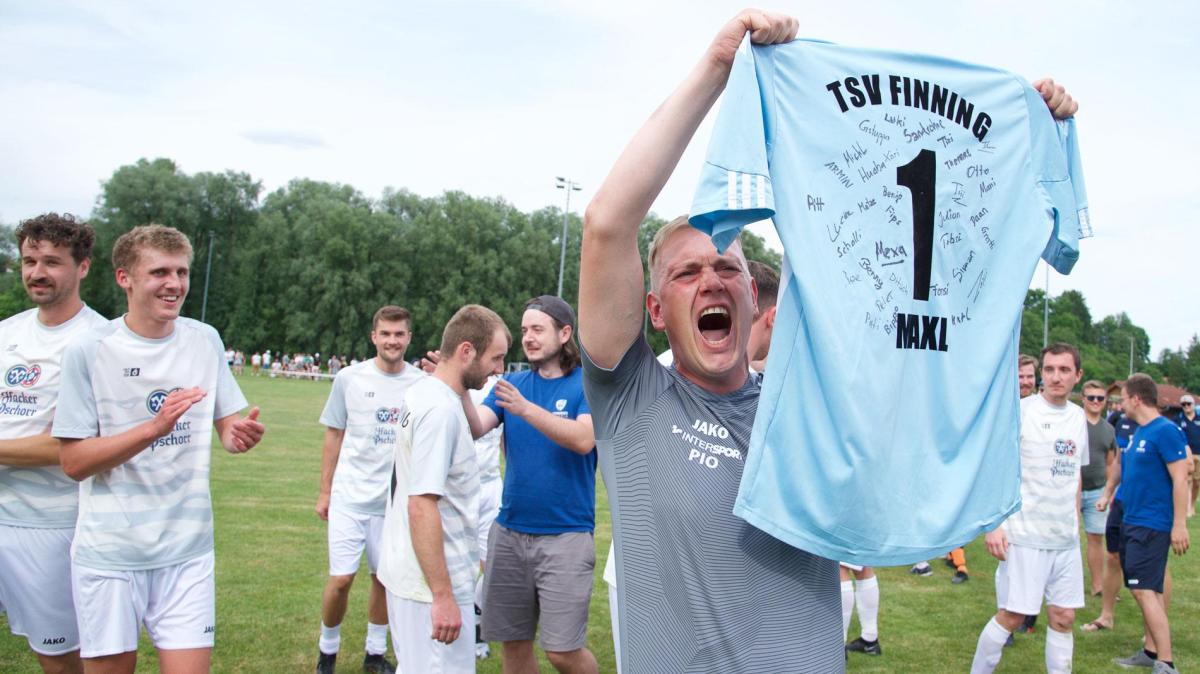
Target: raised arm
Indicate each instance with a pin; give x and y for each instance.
(84, 458)
(610, 284)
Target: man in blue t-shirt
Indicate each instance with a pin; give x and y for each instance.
(540, 551)
(1153, 473)
(1190, 425)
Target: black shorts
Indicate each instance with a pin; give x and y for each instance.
(1144, 554)
(1112, 527)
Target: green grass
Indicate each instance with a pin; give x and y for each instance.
(272, 566)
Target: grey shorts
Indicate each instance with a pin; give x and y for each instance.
(538, 579)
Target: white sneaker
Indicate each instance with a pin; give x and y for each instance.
(482, 650)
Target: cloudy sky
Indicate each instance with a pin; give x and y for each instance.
(497, 98)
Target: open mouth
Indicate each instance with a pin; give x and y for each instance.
(714, 324)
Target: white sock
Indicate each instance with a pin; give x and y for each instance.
(866, 596)
(376, 638)
(1060, 647)
(331, 639)
(847, 606)
(989, 648)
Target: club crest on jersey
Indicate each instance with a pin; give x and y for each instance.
(387, 415)
(1064, 447)
(155, 400)
(23, 375)
(560, 404)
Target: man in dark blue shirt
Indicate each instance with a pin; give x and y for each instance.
(1190, 425)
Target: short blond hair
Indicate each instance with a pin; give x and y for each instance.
(666, 232)
(159, 237)
(474, 324)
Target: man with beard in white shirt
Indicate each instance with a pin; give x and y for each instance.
(38, 503)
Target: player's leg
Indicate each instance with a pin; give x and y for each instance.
(181, 615)
(1094, 526)
(958, 560)
(1065, 594)
(185, 661)
(35, 591)
(1021, 579)
(68, 663)
(847, 585)
(511, 599)
(1144, 562)
(109, 606)
(375, 648)
(489, 508)
(347, 535)
(866, 599)
(564, 566)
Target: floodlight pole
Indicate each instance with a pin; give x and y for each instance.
(569, 186)
(207, 275)
(1046, 311)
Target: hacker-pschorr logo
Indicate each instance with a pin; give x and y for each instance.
(1064, 447)
(387, 415)
(22, 375)
(155, 400)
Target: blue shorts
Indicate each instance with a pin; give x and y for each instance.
(1094, 521)
(1112, 527)
(1144, 554)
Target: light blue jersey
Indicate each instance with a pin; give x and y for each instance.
(913, 196)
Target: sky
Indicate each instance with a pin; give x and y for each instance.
(498, 98)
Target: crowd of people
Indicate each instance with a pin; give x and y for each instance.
(106, 517)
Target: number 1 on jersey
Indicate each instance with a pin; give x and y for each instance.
(919, 176)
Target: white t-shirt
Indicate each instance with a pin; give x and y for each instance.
(488, 447)
(154, 510)
(365, 402)
(434, 455)
(40, 497)
(1054, 447)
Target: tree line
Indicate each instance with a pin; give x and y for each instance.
(303, 268)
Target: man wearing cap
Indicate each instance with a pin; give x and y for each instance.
(541, 554)
(1190, 425)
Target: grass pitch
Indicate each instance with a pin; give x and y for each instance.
(272, 566)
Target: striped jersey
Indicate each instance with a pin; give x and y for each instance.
(154, 510)
(40, 496)
(1054, 448)
(434, 455)
(487, 448)
(913, 196)
(365, 403)
(700, 590)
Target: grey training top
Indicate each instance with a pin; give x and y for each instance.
(1101, 441)
(700, 590)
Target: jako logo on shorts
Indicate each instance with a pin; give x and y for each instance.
(155, 400)
(22, 375)
(387, 415)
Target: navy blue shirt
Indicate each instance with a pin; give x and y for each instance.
(1191, 430)
(1146, 486)
(1124, 427)
(548, 489)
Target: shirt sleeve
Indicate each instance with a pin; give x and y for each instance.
(1054, 149)
(76, 416)
(1172, 445)
(433, 438)
(735, 183)
(620, 394)
(229, 395)
(334, 414)
(490, 403)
